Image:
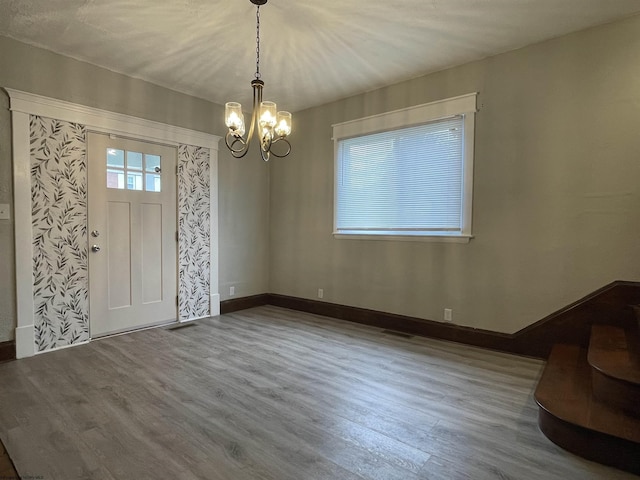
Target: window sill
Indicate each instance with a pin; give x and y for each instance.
(444, 238)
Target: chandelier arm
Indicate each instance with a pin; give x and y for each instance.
(281, 139)
(265, 145)
(257, 85)
(236, 152)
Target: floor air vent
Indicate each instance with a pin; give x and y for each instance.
(181, 326)
(397, 334)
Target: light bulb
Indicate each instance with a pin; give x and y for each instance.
(283, 126)
(267, 114)
(234, 118)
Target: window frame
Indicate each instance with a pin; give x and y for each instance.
(464, 106)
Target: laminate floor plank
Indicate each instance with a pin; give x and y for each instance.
(273, 394)
(271, 404)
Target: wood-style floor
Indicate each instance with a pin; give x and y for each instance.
(7, 471)
(273, 394)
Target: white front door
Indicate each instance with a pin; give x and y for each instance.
(132, 234)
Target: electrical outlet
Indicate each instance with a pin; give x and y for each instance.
(320, 293)
(232, 290)
(448, 315)
(5, 213)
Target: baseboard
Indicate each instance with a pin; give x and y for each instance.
(235, 304)
(611, 304)
(214, 304)
(400, 323)
(25, 341)
(7, 351)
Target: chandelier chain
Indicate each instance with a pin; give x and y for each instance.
(258, 42)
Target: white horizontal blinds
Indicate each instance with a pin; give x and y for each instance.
(405, 180)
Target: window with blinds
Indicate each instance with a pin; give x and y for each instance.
(405, 181)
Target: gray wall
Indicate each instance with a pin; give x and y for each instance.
(243, 185)
(556, 199)
(244, 224)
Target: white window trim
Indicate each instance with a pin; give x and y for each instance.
(464, 105)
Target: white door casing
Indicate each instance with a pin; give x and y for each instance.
(132, 239)
(22, 106)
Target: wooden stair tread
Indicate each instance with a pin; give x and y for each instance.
(565, 392)
(613, 352)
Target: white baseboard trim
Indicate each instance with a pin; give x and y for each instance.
(188, 320)
(25, 345)
(215, 304)
(64, 347)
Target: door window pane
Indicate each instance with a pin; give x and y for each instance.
(134, 181)
(115, 158)
(152, 162)
(152, 183)
(134, 160)
(115, 179)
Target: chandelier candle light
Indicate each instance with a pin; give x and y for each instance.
(271, 127)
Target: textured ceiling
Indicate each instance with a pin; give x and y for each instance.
(312, 52)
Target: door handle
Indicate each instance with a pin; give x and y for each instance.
(95, 248)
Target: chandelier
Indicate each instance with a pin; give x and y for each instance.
(271, 127)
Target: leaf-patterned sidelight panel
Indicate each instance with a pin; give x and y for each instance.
(59, 221)
(194, 232)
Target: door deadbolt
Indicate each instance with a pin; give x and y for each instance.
(95, 233)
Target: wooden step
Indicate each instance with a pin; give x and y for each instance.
(615, 364)
(573, 418)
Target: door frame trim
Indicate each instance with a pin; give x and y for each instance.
(24, 104)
